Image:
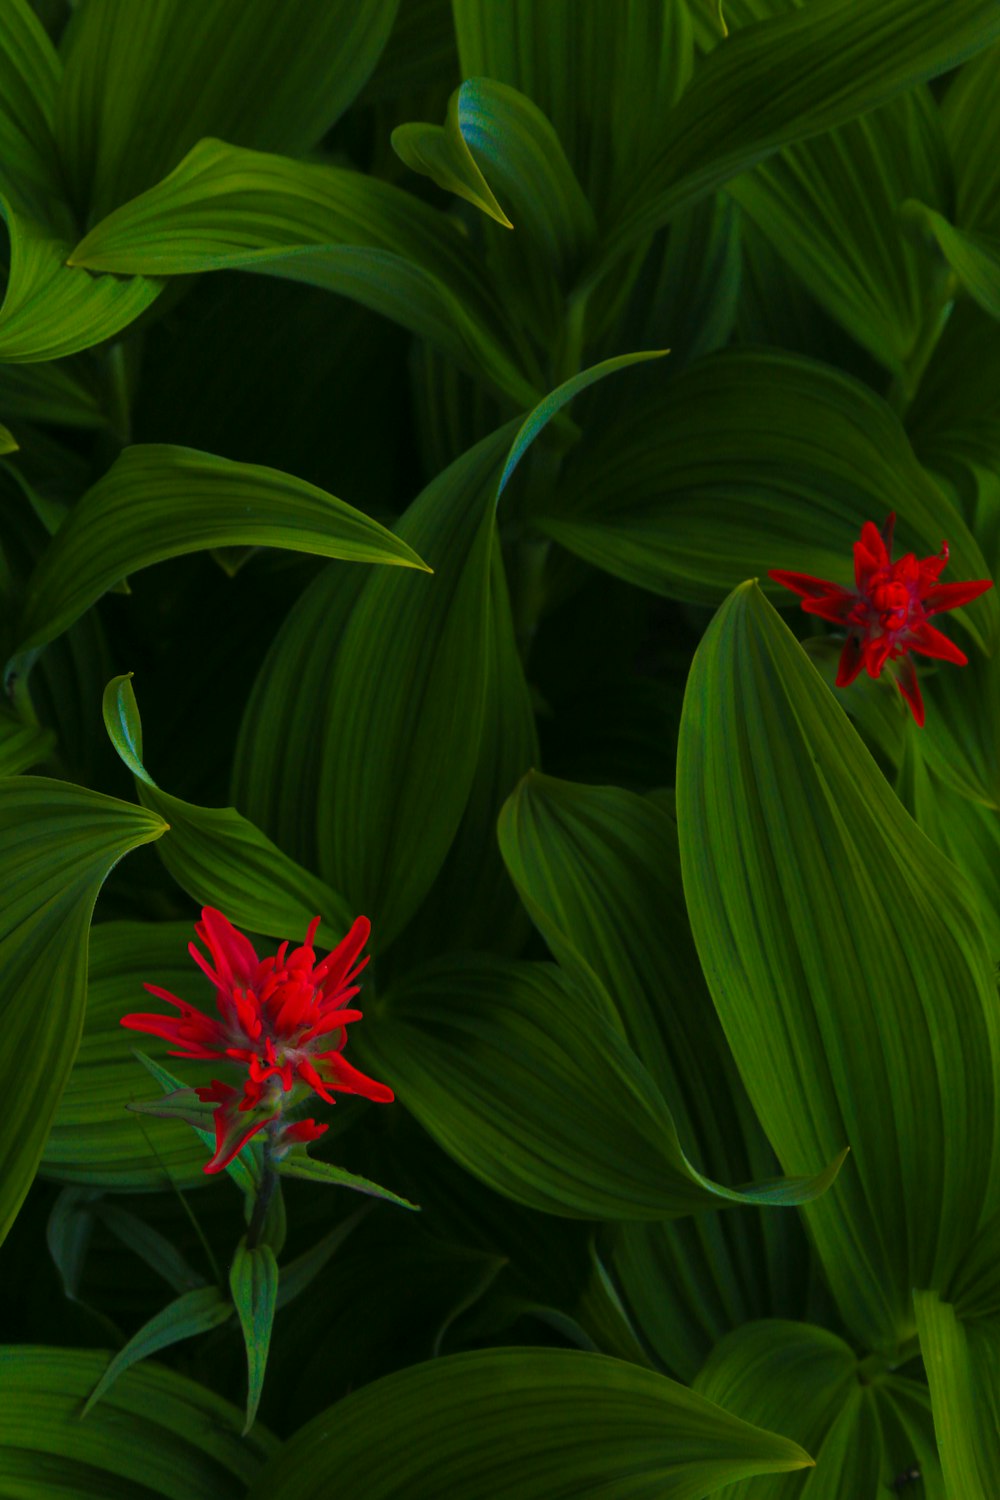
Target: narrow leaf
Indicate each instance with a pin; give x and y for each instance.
(253, 1283)
(195, 1312)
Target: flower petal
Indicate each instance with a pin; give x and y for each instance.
(231, 1134)
(930, 642)
(851, 661)
(954, 595)
(803, 583)
(906, 681)
(233, 954)
(836, 608)
(338, 966)
(348, 1080)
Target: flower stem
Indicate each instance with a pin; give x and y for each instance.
(265, 1190)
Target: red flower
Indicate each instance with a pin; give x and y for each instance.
(886, 614)
(285, 1018)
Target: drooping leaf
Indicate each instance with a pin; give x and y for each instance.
(22, 745)
(493, 129)
(57, 844)
(51, 309)
(253, 1283)
(749, 461)
(158, 1433)
(157, 501)
(190, 1314)
(144, 83)
(847, 964)
(535, 1424)
(215, 854)
(498, 1060)
(224, 207)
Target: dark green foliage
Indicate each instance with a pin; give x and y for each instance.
(404, 402)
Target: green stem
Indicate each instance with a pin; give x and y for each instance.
(265, 1189)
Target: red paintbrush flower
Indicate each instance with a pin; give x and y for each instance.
(886, 614)
(284, 1018)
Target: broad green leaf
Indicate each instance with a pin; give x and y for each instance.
(158, 1434)
(829, 207)
(622, 51)
(963, 1372)
(51, 309)
(973, 255)
(224, 207)
(389, 748)
(253, 1283)
(22, 745)
(599, 871)
(66, 392)
(57, 845)
(157, 501)
(215, 854)
(864, 1425)
(193, 1313)
(846, 961)
(311, 1169)
(498, 1060)
(750, 461)
(144, 83)
(525, 1424)
(30, 74)
(493, 129)
(954, 421)
(836, 60)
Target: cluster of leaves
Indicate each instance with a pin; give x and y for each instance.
(635, 1009)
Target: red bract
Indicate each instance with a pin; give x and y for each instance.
(284, 1018)
(886, 614)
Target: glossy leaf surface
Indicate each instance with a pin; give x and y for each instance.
(855, 989)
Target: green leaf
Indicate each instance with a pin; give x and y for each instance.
(504, 1423)
(963, 1372)
(829, 207)
(442, 153)
(95, 1138)
(847, 964)
(311, 1169)
(143, 83)
(223, 208)
(253, 1282)
(8, 443)
(621, 53)
(864, 1425)
(51, 309)
(385, 731)
(22, 745)
(30, 74)
(158, 1434)
(835, 59)
(498, 1062)
(750, 461)
(195, 1312)
(297, 1275)
(57, 845)
(973, 255)
(157, 501)
(146, 1241)
(215, 854)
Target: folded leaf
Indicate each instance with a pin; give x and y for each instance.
(157, 501)
(524, 1080)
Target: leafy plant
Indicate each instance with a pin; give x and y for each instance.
(425, 410)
